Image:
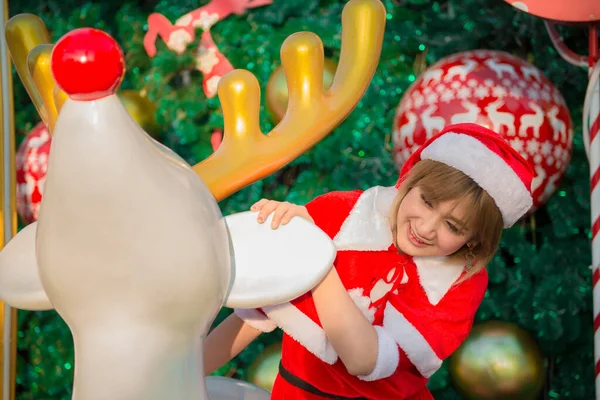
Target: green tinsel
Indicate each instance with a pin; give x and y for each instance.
(540, 278)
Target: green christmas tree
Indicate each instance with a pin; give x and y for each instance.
(540, 279)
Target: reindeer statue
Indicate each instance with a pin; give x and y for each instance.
(130, 247)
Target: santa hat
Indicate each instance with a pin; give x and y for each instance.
(488, 159)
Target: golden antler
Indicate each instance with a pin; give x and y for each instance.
(246, 154)
(29, 46)
(23, 32)
(38, 63)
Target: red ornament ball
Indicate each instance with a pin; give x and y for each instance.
(87, 64)
(31, 165)
(496, 90)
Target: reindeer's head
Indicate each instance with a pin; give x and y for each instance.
(130, 247)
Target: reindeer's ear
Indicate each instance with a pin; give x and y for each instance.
(275, 266)
(20, 285)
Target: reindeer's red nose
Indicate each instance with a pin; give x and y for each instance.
(87, 64)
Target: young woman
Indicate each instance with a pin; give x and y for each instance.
(408, 278)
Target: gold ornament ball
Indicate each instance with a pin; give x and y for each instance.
(497, 361)
(141, 109)
(263, 371)
(277, 90)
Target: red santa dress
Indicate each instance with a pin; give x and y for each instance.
(420, 316)
(419, 312)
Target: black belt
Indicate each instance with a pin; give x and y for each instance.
(307, 387)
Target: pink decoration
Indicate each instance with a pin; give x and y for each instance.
(560, 10)
(212, 63)
(216, 138)
(31, 167)
(496, 90)
(209, 59)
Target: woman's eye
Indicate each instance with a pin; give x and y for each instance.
(425, 201)
(452, 227)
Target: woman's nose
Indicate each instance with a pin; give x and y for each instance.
(427, 228)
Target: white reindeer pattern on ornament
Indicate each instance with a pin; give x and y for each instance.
(500, 68)
(558, 126)
(432, 124)
(500, 118)
(538, 179)
(533, 121)
(461, 70)
(529, 72)
(540, 176)
(432, 75)
(406, 131)
(471, 115)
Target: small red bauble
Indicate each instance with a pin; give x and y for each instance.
(31, 162)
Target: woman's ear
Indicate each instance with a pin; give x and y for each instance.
(471, 245)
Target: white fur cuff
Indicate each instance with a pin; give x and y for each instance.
(255, 319)
(388, 356)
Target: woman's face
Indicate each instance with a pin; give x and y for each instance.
(425, 229)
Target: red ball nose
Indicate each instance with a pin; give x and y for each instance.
(88, 64)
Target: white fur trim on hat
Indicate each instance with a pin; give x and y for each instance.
(486, 168)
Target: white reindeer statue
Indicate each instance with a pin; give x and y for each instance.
(130, 247)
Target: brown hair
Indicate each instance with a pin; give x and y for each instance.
(439, 183)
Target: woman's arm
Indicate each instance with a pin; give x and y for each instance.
(226, 341)
(350, 333)
(352, 336)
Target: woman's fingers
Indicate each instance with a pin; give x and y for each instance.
(266, 210)
(282, 210)
(259, 204)
(287, 217)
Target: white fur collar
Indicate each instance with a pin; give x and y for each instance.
(367, 228)
(368, 225)
(437, 275)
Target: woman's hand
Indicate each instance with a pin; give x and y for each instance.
(282, 212)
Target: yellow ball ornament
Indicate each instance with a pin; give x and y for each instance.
(141, 109)
(277, 90)
(498, 360)
(263, 371)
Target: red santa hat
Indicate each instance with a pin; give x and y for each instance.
(488, 159)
